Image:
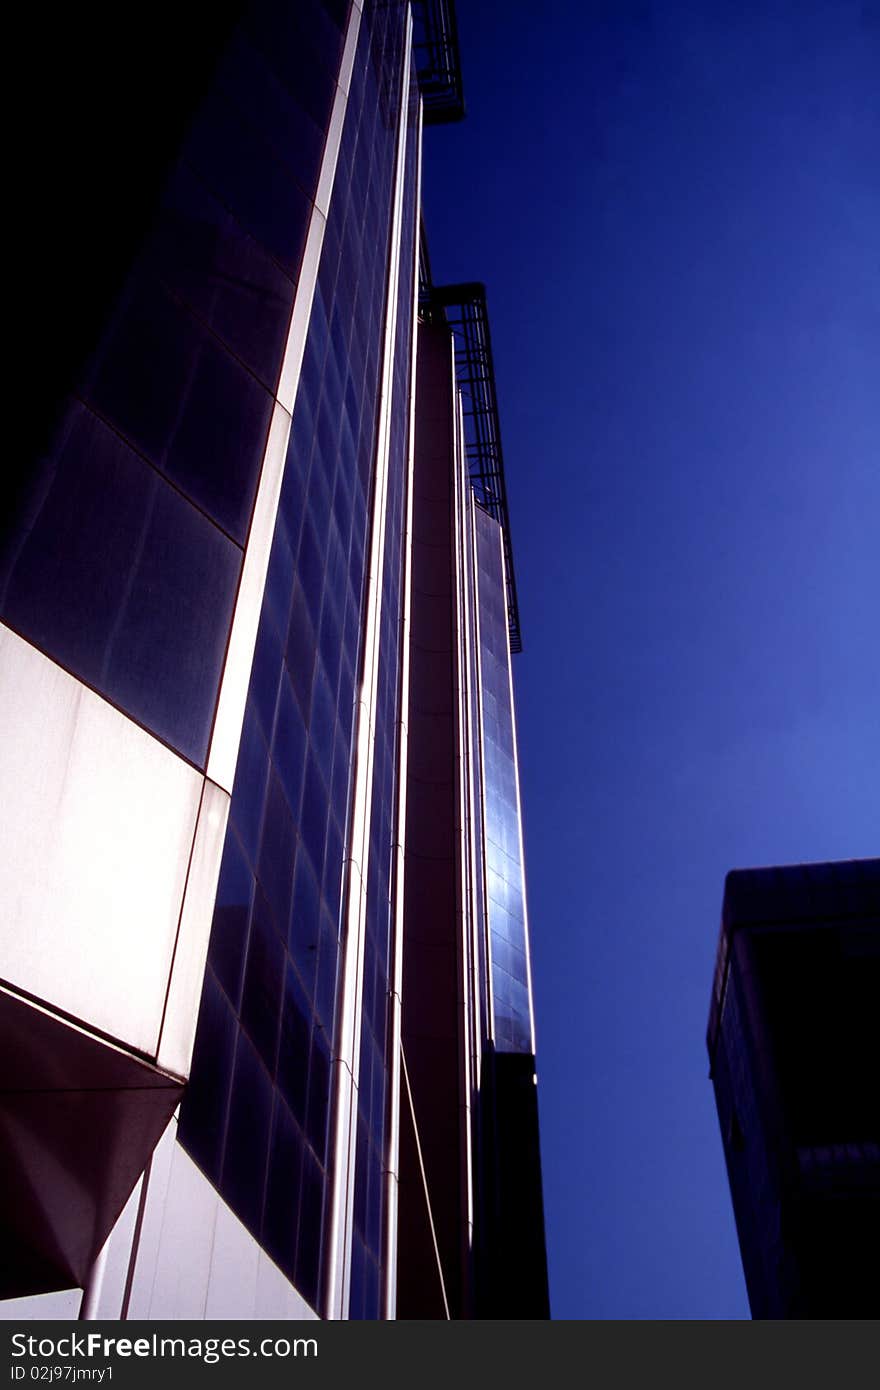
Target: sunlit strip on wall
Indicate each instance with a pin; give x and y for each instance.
(522, 859)
(392, 1173)
(464, 905)
(229, 717)
(480, 772)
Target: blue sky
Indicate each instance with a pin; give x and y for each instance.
(676, 211)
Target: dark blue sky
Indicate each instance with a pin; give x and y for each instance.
(676, 211)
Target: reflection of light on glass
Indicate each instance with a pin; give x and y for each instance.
(506, 906)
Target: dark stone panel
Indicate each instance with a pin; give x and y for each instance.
(431, 1023)
(204, 256)
(89, 175)
(147, 583)
(290, 115)
(218, 446)
(242, 169)
(431, 807)
(141, 374)
(512, 1282)
(792, 1050)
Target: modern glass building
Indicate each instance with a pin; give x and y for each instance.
(794, 1062)
(265, 1003)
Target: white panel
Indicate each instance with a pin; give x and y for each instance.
(392, 1193)
(346, 67)
(302, 312)
(232, 1283)
(147, 1254)
(337, 117)
(118, 1258)
(242, 639)
(277, 1297)
(195, 1259)
(94, 844)
(188, 970)
(183, 1263)
(344, 1099)
(273, 1291)
(328, 168)
(42, 1307)
(345, 1030)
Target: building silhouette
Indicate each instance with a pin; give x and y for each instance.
(265, 999)
(794, 1062)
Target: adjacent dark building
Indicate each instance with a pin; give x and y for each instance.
(794, 1047)
(265, 1001)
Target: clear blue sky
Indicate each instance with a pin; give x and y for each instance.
(676, 211)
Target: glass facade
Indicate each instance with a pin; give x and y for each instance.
(145, 556)
(372, 1118)
(508, 942)
(266, 1032)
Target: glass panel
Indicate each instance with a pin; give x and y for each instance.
(281, 1215)
(506, 903)
(293, 1049)
(231, 915)
(299, 716)
(276, 856)
(247, 1140)
(203, 1118)
(263, 979)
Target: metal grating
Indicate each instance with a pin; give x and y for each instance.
(464, 309)
(435, 44)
